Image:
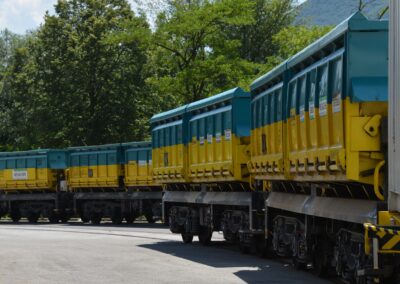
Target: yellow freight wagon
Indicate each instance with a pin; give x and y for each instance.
(95, 167)
(316, 117)
(205, 141)
(169, 146)
(34, 170)
(138, 165)
(267, 121)
(32, 185)
(219, 145)
(114, 181)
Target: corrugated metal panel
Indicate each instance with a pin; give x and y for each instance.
(138, 164)
(168, 114)
(277, 71)
(357, 22)
(394, 106)
(53, 159)
(225, 96)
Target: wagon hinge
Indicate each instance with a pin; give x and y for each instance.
(372, 126)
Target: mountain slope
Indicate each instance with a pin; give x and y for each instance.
(333, 12)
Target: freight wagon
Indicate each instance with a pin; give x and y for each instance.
(319, 148)
(295, 168)
(304, 175)
(201, 152)
(113, 181)
(32, 184)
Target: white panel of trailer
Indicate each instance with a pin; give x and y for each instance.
(394, 106)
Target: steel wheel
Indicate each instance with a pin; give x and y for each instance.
(187, 238)
(116, 219)
(149, 217)
(244, 248)
(298, 265)
(130, 218)
(85, 219)
(205, 236)
(53, 218)
(33, 217)
(15, 217)
(64, 217)
(96, 219)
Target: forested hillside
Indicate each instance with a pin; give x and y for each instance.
(333, 12)
(95, 71)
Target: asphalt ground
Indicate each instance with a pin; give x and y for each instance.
(138, 253)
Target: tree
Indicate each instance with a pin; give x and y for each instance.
(270, 16)
(95, 72)
(192, 56)
(291, 40)
(10, 44)
(82, 86)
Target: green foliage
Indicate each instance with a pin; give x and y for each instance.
(270, 16)
(291, 40)
(10, 60)
(193, 57)
(77, 84)
(95, 72)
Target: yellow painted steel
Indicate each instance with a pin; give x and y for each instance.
(139, 174)
(267, 151)
(169, 164)
(364, 152)
(223, 158)
(323, 155)
(34, 179)
(316, 148)
(387, 232)
(337, 142)
(377, 191)
(388, 218)
(94, 176)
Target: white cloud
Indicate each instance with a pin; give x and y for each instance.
(22, 15)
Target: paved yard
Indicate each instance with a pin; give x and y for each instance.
(140, 253)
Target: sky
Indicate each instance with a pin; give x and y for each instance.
(22, 15)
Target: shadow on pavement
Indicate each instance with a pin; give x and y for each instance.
(250, 269)
(219, 254)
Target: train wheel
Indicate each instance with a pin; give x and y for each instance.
(298, 265)
(64, 218)
(205, 236)
(395, 278)
(261, 247)
(15, 217)
(33, 217)
(244, 248)
(130, 218)
(149, 217)
(96, 219)
(320, 259)
(319, 269)
(84, 219)
(53, 218)
(116, 219)
(187, 238)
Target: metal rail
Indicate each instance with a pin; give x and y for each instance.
(394, 106)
